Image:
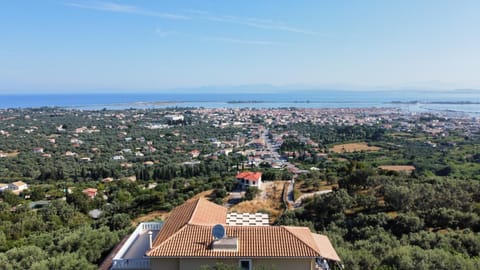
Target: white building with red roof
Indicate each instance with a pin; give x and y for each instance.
(249, 179)
(90, 192)
(195, 153)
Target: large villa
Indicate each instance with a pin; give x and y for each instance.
(198, 234)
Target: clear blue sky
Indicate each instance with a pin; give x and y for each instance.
(73, 45)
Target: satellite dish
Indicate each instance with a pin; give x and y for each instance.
(218, 231)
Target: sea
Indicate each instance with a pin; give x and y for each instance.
(448, 102)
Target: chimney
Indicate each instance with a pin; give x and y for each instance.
(150, 238)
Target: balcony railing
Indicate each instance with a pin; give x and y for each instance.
(131, 264)
(120, 262)
(151, 226)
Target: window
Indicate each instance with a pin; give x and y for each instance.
(254, 183)
(246, 264)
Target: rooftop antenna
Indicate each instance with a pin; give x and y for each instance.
(218, 231)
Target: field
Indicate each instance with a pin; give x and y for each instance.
(353, 147)
(9, 155)
(398, 168)
(270, 200)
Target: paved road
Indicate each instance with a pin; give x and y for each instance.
(290, 191)
(275, 156)
(298, 202)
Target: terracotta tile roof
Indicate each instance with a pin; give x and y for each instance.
(188, 233)
(305, 235)
(250, 176)
(325, 247)
(207, 213)
(199, 211)
(253, 241)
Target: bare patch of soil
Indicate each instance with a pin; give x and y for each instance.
(354, 147)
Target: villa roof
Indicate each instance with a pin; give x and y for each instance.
(19, 183)
(90, 190)
(200, 212)
(326, 248)
(188, 233)
(254, 241)
(250, 176)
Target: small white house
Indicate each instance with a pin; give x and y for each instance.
(118, 157)
(38, 150)
(174, 117)
(17, 186)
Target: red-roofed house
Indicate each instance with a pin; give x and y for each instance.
(195, 153)
(249, 179)
(91, 192)
(187, 240)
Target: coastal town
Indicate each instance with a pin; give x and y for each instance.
(253, 136)
(253, 126)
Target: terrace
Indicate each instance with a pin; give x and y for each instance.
(132, 253)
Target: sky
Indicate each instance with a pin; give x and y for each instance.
(78, 46)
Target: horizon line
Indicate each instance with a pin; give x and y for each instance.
(230, 89)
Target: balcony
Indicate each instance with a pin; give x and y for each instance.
(132, 254)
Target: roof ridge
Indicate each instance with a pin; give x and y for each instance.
(171, 225)
(314, 248)
(326, 248)
(207, 213)
(194, 211)
(166, 240)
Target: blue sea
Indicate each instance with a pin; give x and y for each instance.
(298, 99)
